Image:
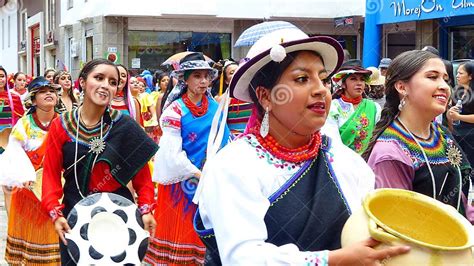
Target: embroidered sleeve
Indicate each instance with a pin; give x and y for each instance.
(171, 117)
(56, 212)
(319, 258)
(171, 162)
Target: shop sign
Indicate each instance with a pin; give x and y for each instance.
(135, 62)
(411, 10)
(340, 22)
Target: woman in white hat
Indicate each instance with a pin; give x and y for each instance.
(31, 237)
(354, 115)
(186, 123)
(282, 193)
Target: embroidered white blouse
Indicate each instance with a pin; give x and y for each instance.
(236, 185)
(171, 161)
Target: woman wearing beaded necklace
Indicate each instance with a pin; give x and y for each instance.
(67, 99)
(281, 194)
(31, 236)
(409, 150)
(84, 145)
(354, 115)
(186, 124)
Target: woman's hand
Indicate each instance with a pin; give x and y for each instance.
(149, 222)
(363, 253)
(61, 226)
(453, 113)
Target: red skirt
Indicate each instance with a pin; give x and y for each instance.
(175, 241)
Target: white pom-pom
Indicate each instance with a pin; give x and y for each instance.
(277, 53)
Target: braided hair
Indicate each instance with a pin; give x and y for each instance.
(402, 68)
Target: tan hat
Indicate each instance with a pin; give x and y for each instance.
(375, 78)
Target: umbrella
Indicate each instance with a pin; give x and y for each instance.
(174, 59)
(252, 34)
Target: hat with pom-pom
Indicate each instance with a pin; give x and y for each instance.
(275, 46)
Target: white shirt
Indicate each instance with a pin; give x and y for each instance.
(236, 185)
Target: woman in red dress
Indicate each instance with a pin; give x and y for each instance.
(96, 149)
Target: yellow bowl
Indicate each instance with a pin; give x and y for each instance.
(437, 233)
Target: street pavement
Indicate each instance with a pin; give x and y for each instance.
(3, 229)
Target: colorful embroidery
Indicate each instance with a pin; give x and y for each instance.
(69, 123)
(171, 122)
(192, 136)
(361, 133)
(262, 153)
(435, 146)
(317, 258)
(176, 108)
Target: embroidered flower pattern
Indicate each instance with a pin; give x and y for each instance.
(192, 136)
(262, 153)
(361, 133)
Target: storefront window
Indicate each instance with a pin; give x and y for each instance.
(149, 49)
(348, 42)
(400, 42)
(462, 41)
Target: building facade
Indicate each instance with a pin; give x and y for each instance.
(399, 25)
(142, 34)
(8, 35)
(29, 35)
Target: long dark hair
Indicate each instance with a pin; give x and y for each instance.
(159, 77)
(6, 77)
(57, 75)
(90, 66)
(269, 75)
(125, 87)
(402, 68)
(469, 68)
(169, 88)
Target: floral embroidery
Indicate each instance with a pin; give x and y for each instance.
(171, 122)
(361, 133)
(176, 108)
(146, 208)
(317, 258)
(265, 155)
(192, 136)
(56, 212)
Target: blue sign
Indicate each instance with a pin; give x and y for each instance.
(393, 11)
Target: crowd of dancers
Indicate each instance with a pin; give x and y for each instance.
(260, 162)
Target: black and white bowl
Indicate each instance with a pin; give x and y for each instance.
(106, 229)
